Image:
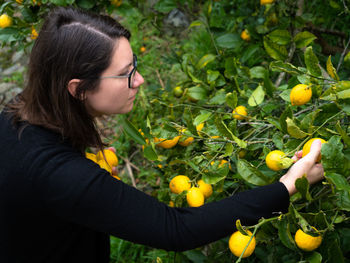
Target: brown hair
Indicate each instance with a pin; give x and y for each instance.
(72, 44)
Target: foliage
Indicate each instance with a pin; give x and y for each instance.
(291, 42)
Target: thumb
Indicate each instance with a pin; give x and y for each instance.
(315, 150)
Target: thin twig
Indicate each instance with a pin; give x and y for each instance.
(160, 79)
(343, 54)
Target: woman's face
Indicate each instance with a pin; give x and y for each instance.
(113, 95)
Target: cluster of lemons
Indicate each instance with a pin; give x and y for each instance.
(106, 160)
(276, 160)
(195, 195)
(239, 241)
(170, 143)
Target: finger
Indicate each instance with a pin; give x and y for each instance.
(114, 170)
(297, 156)
(315, 151)
(112, 149)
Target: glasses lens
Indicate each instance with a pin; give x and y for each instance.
(132, 78)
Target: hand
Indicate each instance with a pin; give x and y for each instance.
(307, 165)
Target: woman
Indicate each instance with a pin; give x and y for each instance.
(58, 206)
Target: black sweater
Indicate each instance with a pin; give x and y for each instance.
(58, 206)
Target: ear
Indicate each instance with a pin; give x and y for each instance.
(72, 87)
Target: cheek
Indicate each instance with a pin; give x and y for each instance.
(108, 99)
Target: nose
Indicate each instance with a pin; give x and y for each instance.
(138, 80)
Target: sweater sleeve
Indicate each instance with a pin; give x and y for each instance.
(77, 190)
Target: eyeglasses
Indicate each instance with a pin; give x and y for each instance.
(130, 76)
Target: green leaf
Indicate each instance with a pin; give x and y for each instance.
(193, 78)
(257, 96)
(308, 121)
(9, 34)
(339, 91)
(274, 50)
(251, 174)
(281, 66)
(165, 6)
(197, 93)
(284, 233)
(285, 95)
(230, 68)
(280, 36)
(339, 181)
(195, 256)
(205, 60)
(219, 98)
(222, 128)
(150, 153)
(214, 178)
(315, 257)
(344, 94)
(294, 130)
(303, 39)
(343, 134)
(302, 185)
(231, 99)
(195, 23)
(86, 4)
(312, 63)
(332, 155)
(331, 70)
(202, 118)
(228, 149)
(229, 40)
(257, 72)
(335, 254)
(287, 113)
(131, 131)
(343, 200)
(268, 85)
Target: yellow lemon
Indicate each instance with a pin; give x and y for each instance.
(142, 49)
(206, 189)
(238, 242)
(300, 95)
(178, 91)
(19, 1)
(171, 204)
(5, 21)
(307, 242)
(307, 147)
(116, 3)
(187, 141)
(200, 126)
(179, 184)
(91, 156)
(34, 34)
(195, 197)
(166, 144)
(245, 35)
(111, 158)
(240, 113)
(265, 2)
(274, 159)
(104, 165)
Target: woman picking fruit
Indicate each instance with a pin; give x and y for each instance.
(61, 205)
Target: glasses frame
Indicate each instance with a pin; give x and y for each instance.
(133, 72)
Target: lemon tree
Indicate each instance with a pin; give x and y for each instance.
(288, 84)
